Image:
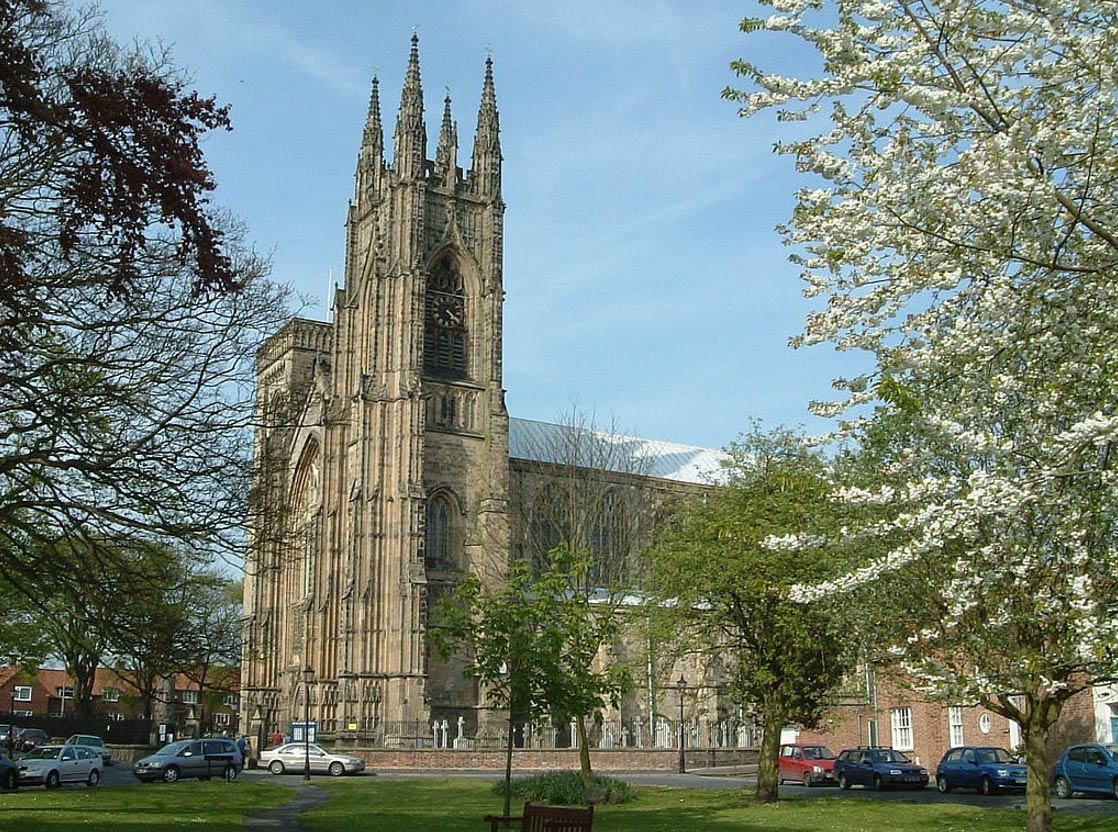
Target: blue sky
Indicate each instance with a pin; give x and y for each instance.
(644, 280)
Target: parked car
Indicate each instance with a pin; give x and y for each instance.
(9, 773)
(95, 743)
(32, 738)
(878, 768)
(1091, 768)
(986, 768)
(807, 764)
(202, 758)
(53, 765)
(9, 736)
(292, 757)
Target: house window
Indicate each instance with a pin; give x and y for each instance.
(955, 723)
(221, 720)
(231, 700)
(64, 692)
(985, 723)
(902, 729)
(110, 695)
(190, 697)
(22, 693)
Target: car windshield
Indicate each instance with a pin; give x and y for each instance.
(43, 752)
(171, 749)
(818, 752)
(890, 756)
(993, 755)
(81, 739)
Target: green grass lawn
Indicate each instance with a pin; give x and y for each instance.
(450, 805)
(216, 806)
(453, 805)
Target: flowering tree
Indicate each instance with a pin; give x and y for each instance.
(964, 231)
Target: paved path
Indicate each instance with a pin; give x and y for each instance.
(282, 818)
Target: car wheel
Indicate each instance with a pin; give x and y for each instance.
(1063, 788)
(53, 781)
(230, 774)
(10, 779)
(942, 784)
(170, 774)
(94, 778)
(807, 780)
(877, 784)
(843, 782)
(276, 767)
(986, 786)
(337, 769)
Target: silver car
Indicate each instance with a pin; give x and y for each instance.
(293, 756)
(53, 765)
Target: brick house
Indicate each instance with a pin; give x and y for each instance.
(887, 711)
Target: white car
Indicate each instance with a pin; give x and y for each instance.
(53, 765)
(292, 757)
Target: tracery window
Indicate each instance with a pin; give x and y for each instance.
(444, 331)
(438, 552)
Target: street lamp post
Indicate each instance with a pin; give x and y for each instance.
(308, 677)
(681, 686)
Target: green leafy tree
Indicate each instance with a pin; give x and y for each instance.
(723, 585)
(529, 641)
(587, 506)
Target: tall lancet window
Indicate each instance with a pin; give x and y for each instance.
(439, 546)
(444, 333)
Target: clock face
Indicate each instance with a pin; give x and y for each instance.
(447, 312)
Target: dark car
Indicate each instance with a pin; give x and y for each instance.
(9, 773)
(878, 768)
(986, 768)
(1090, 768)
(32, 738)
(202, 758)
(807, 764)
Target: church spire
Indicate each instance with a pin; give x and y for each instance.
(410, 152)
(370, 162)
(446, 156)
(486, 172)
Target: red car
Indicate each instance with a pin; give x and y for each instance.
(807, 764)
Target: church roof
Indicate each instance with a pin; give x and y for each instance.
(587, 448)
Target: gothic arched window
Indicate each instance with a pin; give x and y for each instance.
(444, 323)
(439, 551)
(610, 540)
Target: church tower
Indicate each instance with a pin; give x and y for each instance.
(383, 456)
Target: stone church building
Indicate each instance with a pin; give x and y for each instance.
(388, 465)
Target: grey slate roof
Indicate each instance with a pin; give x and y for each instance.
(572, 445)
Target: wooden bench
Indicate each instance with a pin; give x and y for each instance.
(540, 818)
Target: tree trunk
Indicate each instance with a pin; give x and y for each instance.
(508, 770)
(1041, 712)
(768, 771)
(584, 755)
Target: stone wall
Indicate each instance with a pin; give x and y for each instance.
(631, 759)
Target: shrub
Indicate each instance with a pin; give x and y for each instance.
(564, 788)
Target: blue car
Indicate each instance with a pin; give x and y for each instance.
(1091, 768)
(984, 768)
(877, 768)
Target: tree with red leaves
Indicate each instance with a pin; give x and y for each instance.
(130, 309)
